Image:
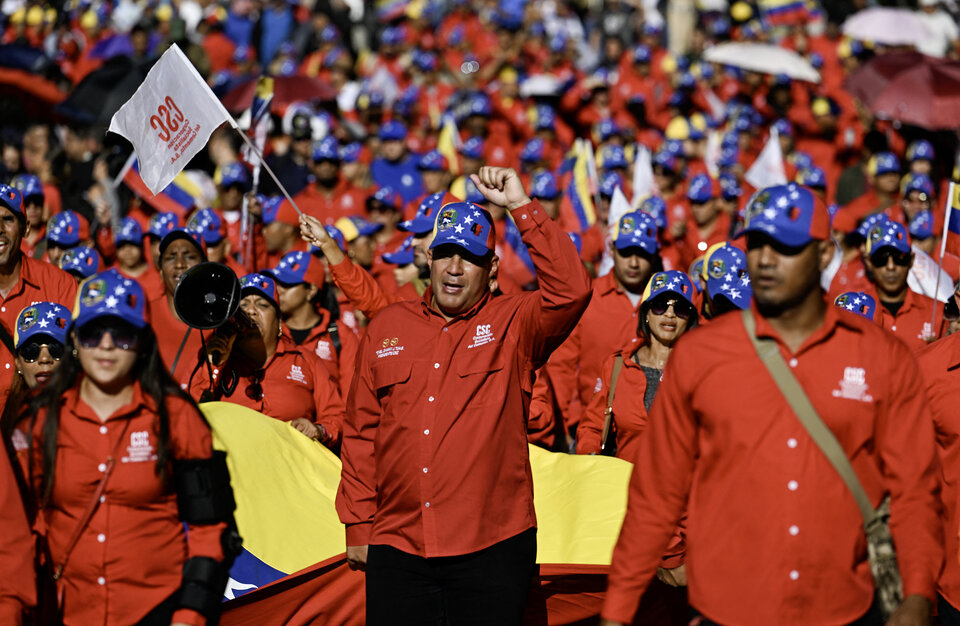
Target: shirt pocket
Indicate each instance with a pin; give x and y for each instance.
(388, 374)
(482, 380)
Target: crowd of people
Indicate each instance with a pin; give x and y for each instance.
(462, 253)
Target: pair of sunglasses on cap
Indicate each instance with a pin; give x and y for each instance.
(681, 308)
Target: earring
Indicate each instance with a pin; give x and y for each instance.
(19, 373)
(74, 353)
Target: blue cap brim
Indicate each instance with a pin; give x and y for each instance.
(90, 314)
(401, 257)
(418, 225)
(283, 276)
(789, 239)
(450, 238)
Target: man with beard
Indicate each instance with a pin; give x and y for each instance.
(774, 535)
(23, 280)
(330, 197)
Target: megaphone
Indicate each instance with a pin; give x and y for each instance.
(207, 296)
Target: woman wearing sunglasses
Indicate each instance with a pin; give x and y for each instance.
(666, 312)
(292, 385)
(118, 457)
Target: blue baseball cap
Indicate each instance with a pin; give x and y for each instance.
(110, 294)
(234, 174)
(480, 105)
(270, 206)
(130, 232)
(609, 181)
(81, 261)
(298, 267)
(183, 233)
(532, 151)
(869, 222)
(729, 186)
(433, 161)
(422, 222)
(354, 227)
(472, 148)
(883, 163)
(473, 194)
(729, 157)
(921, 226)
(209, 224)
(466, 225)
(10, 197)
(350, 153)
(607, 128)
(402, 255)
(426, 61)
(655, 207)
(790, 214)
(393, 131)
(784, 127)
(701, 189)
(857, 302)
(812, 177)
(29, 186)
(385, 197)
(259, 284)
(919, 150)
(671, 281)
(328, 149)
(696, 268)
(887, 234)
(47, 319)
(162, 223)
(544, 185)
(546, 117)
(917, 182)
(666, 160)
(641, 54)
(802, 161)
(64, 229)
(724, 274)
(613, 156)
(337, 236)
(636, 230)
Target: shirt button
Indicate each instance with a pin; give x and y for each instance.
(893, 328)
(794, 574)
(101, 581)
(791, 443)
(6, 365)
(793, 485)
(215, 371)
(103, 499)
(793, 362)
(424, 470)
(103, 430)
(430, 399)
(523, 216)
(3, 309)
(436, 365)
(426, 432)
(426, 504)
(102, 467)
(101, 537)
(702, 246)
(445, 329)
(794, 530)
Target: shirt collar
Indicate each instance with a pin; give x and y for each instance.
(831, 320)
(73, 403)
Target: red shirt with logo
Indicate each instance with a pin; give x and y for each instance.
(444, 405)
(320, 342)
(915, 323)
(770, 524)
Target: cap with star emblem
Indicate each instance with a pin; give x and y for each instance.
(183, 233)
(130, 232)
(42, 318)
(724, 274)
(466, 225)
(10, 197)
(298, 267)
(857, 302)
(790, 214)
(82, 262)
(109, 293)
(422, 222)
(67, 228)
(355, 226)
(208, 223)
(636, 229)
(258, 284)
(887, 234)
(162, 223)
(671, 281)
(402, 255)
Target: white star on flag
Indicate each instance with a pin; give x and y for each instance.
(849, 307)
(476, 213)
(51, 315)
(734, 294)
(728, 278)
(468, 220)
(458, 229)
(111, 302)
(43, 323)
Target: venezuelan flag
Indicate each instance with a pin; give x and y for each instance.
(579, 189)
(180, 196)
(521, 265)
(293, 569)
(259, 119)
(784, 12)
(951, 230)
(448, 143)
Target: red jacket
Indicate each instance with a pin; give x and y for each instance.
(915, 324)
(444, 404)
(17, 577)
(771, 526)
(319, 342)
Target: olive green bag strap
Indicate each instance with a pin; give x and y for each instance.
(608, 412)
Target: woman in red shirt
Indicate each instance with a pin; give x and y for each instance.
(133, 501)
(292, 385)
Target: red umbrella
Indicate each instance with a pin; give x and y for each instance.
(869, 79)
(286, 89)
(928, 96)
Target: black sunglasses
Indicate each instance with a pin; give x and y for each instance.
(681, 308)
(881, 257)
(30, 351)
(124, 336)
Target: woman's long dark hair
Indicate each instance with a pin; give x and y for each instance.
(155, 382)
(326, 297)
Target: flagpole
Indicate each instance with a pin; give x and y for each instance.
(943, 248)
(266, 166)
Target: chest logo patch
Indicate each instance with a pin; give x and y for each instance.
(389, 347)
(854, 385)
(296, 374)
(323, 350)
(140, 449)
(483, 336)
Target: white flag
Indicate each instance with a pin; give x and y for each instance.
(642, 176)
(923, 277)
(711, 155)
(169, 119)
(618, 208)
(768, 170)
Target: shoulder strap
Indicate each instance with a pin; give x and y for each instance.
(7, 340)
(608, 413)
(334, 332)
(800, 404)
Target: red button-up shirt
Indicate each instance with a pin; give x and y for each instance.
(130, 556)
(38, 282)
(915, 323)
(773, 534)
(939, 365)
(171, 334)
(609, 321)
(434, 451)
(294, 384)
(17, 578)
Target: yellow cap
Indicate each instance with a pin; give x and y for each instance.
(678, 128)
(820, 106)
(164, 13)
(508, 75)
(741, 11)
(844, 50)
(698, 121)
(50, 15)
(18, 16)
(89, 20)
(668, 64)
(34, 16)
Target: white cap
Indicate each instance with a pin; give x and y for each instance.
(928, 3)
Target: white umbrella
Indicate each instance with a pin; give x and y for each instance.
(763, 58)
(540, 85)
(893, 27)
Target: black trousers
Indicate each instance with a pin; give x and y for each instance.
(949, 615)
(871, 618)
(486, 587)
